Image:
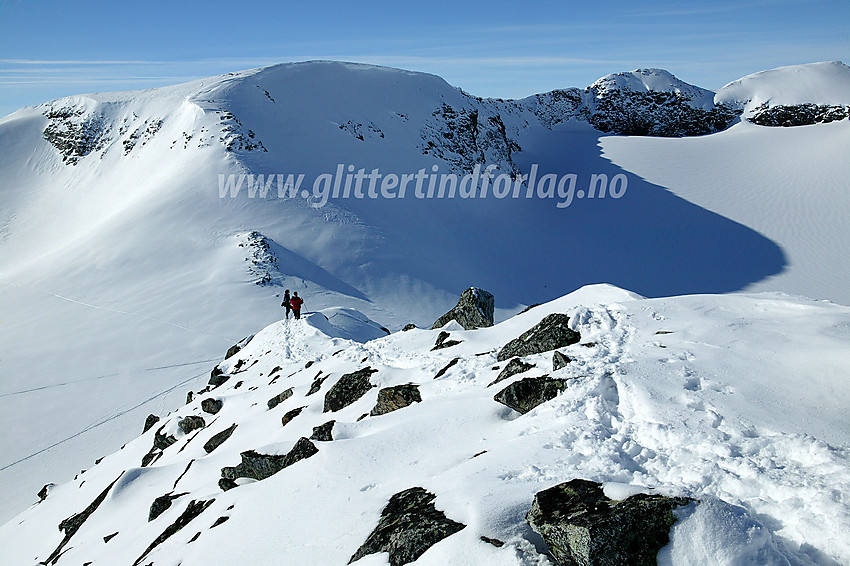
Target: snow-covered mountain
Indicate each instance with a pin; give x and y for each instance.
(125, 273)
(303, 436)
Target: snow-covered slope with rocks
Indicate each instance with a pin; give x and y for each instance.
(121, 267)
(735, 401)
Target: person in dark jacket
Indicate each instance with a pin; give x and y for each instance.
(285, 304)
(295, 302)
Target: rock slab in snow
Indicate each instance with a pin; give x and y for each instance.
(550, 333)
(349, 388)
(261, 466)
(394, 398)
(525, 394)
(409, 525)
(582, 527)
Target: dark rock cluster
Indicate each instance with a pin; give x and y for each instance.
(409, 525)
(582, 527)
(261, 466)
(550, 333)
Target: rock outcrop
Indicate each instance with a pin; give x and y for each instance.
(194, 509)
(394, 398)
(528, 393)
(559, 360)
(285, 419)
(149, 422)
(550, 333)
(444, 342)
(191, 423)
(349, 388)
(261, 466)
(513, 367)
(279, 398)
(473, 310)
(410, 524)
(217, 377)
(582, 527)
(211, 406)
(161, 504)
(236, 348)
(218, 439)
(323, 432)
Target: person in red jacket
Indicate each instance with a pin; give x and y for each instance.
(295, 302)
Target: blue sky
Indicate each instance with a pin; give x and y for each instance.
(50, 48)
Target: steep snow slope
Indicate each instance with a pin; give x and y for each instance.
(737, 400)
(120, 266)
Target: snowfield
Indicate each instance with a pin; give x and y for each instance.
(737, 401)
(124, 276)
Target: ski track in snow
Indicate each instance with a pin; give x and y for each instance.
(118, 311)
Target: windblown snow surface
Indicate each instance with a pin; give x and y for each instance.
(124, 275)
(738, 401)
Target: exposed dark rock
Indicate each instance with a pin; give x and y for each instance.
(798, 115)
(310, 363)
(279, 398)
(191, 423)
(291, 415)
(529, 307)
(149, 422)
(152, 456)
(494, 541)
(623, 111)
(225, 484)
(408, 326)
(219, 438)
(261, 466)
(219, 521)
(180, 477)
(195, 537)
(443, 342)
(394, 398)
(525, 394)
(559, 360)
(161, 504)
(583, 527)
(160, 443)
(211, 406)
(72, 524)
(217, 377)
(189, 397)
(236, 348)
(513, 367)
(194, 509)
(349, 388)
(317, 384)
(446, 368)
(550, 333)
(45, 491)
(324, 432)
(409, 525)
(108, 538)
(473, 310)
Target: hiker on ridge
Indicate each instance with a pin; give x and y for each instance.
(295, 302)
(286, 304)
